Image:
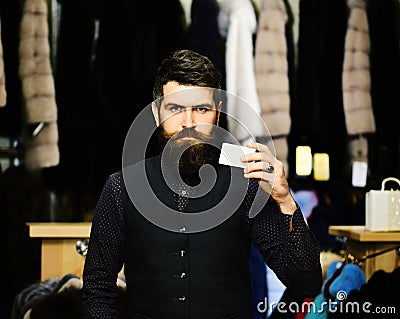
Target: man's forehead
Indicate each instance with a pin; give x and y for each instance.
(187, 95)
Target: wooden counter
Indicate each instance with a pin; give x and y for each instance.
(59, 255)
(361, 242)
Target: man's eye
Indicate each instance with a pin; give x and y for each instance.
(175, 108)
(201, 109)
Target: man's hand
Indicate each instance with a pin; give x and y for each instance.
(273, 182)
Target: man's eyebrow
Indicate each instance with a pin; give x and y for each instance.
(173, 104)
(205, 105)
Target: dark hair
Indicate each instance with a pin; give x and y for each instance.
(186, 67)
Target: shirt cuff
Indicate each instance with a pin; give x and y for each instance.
(294, 223)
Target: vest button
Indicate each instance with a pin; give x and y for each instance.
(183, 275)
(182, 253)
(182, 299)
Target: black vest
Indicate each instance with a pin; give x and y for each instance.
(202, 275)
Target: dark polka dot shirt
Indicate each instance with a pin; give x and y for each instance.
(285, 241)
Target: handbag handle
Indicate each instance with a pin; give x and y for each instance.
(389, 179)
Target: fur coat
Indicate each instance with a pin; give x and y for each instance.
(356, 73)
(237, 23)
(271, 70)
(41, 149)
(59, 297)
(356, 81)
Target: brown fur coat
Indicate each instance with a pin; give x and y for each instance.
(38, 86)
(356, 72)
(356, 81)
(271, 69)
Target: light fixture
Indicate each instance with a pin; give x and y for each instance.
(303, 160)
(321, 166)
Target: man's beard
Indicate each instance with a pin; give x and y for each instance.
(194, 152)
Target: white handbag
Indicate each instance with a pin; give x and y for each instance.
(382, 208)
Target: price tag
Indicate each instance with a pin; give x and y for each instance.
(359, 174)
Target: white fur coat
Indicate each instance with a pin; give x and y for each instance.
(237, 22)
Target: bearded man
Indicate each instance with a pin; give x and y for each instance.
(187, 266)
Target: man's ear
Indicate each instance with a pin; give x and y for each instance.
(219, 108)
(154, 109)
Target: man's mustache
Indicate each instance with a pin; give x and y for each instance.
(189, 132)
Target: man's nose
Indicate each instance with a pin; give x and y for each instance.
(188, 120)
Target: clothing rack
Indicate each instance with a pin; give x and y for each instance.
(9, 152)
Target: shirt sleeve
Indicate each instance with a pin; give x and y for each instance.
(104, 257)
(289, 248)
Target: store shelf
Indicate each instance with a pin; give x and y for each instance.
(59, 255)
(59, 230)
(360, 233)
(362, 243)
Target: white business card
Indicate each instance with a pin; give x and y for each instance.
(231, 154)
